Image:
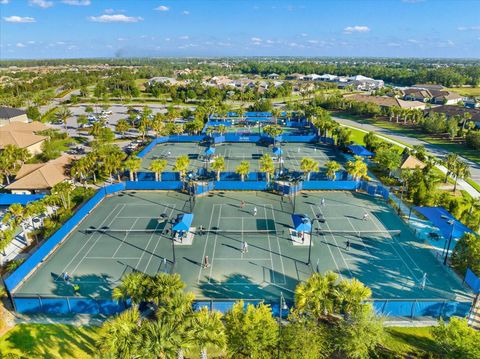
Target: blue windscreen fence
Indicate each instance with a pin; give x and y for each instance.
(435, 308)
(473, 281)
(240, 186)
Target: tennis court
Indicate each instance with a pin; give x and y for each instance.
(124, 234)
(234, 153)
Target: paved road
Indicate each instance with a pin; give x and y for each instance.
(433, 149)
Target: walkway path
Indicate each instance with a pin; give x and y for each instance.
(399, 140)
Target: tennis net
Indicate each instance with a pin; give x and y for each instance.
(120, 230)
(243, 232)
(361, 234)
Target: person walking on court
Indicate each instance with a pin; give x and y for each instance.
(242, 204)
(206, 262)
(66, 277)
(244, 247)
(323, 202)
(347, 245)
(365, 217)
(76, 289)
(423, 282)
(255, 211)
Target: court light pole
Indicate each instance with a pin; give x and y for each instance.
(452, 223)
(283, 306)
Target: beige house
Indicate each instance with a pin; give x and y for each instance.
(22, 134)
(11, 115)
(40, 177)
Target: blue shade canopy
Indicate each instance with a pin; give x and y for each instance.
(7, 199)
(184, 221)
(210, 151)
(444, 221)
(277, 151)
(360, 151)
(301, 223)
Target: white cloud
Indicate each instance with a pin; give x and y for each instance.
(413, 41)
(393, 44)
(120, 39)
(256, 39)
(115, 18)
(31, 42)
(77, 2)
(447, 43)
(41, 3)
(19, 44)
(4, 2)
(162, 8)
(303, 34)
(469, 28)
(19, 19)
(185, 12)
(60, 43)
(356, 28)
(270, 42)
(184, 37)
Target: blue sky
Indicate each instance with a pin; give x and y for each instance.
(97, 28)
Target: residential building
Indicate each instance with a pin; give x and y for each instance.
(450, 111)
(162, 80)
(40, 177)
(295, 76)
(23, 135)
(447, 98)
(328, 78)
(273, 76)
(429, 87)
(386, 101)
(311, 77)
(409, 162)
(9, 115)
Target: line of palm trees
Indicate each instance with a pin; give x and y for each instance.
(172, 329)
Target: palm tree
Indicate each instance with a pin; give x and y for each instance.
(317, 296)
(119, 337)
(450, 163)
(273, 131)
(243, 169)
(133, 286)
(267, 165)
(308, 165)
(352, 294)
(133, 164)
(181, 165)
(332, 168)
(82, 120)
(79, 169)
(63, 114)
(218, 165)
(462, 170)
(208, 331)
(63, 191)
(160, 338)
(276, 113)
(122, 126)
(158, 166)
(357, 169)
(472, 203)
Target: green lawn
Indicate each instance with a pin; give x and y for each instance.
(459, 148)
(465, 91)
(411, 342)
(49, 341)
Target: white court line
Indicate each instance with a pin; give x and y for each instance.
(398, 254)
(329, 249)
(111, 258)
(279, 250)
(206, 243)
(269, 244)
(148, 244)
(92, 235)
(159, 239)
(241, 259)
(215, 243)
(361, 239)
(124, 238)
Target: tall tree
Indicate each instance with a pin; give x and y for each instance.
(133, 164)
(218, 166)
(181, 165)
(332, 168)
(267, 166)
(63, 113)
(158, 166)
(243, 169)
(207, 330)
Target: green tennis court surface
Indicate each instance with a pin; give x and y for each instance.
(234, 153)
(132, 238)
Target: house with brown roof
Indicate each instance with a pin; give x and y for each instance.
(386, 101)
(23, 135)
(40, 177)
(447, 98)
(10, 115)
(409, 162)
